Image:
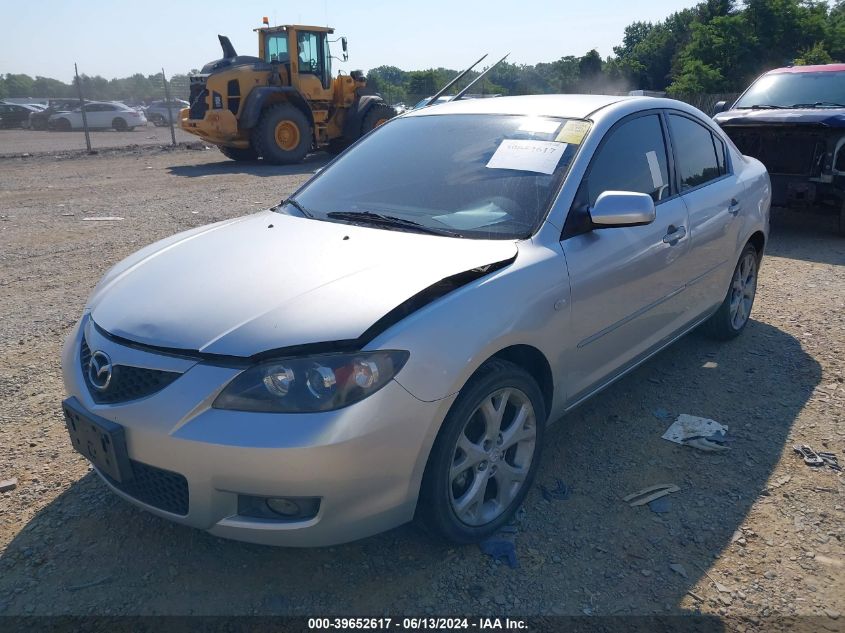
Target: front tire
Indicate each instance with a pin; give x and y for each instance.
(732, 316)
(378, 114)
(486, 455)
(63, 125)
(283, 135)
(239, 154)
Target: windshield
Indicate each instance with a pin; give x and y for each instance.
(470, 175)
(790, 89)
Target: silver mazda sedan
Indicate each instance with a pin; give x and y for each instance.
(391, 341)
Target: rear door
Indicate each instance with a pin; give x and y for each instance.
(625, 282)
(713, 196)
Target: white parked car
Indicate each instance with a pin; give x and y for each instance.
(101, 115)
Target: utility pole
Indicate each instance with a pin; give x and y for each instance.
(169, 107)
(82, 107)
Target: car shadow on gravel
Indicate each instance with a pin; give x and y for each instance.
(793, 231)
(90, 552)
(312, 163)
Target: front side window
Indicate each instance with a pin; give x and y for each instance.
(276, 48)
(695, 152)
(791, 89)
(481, 176)
(633, 158)
(309, 53)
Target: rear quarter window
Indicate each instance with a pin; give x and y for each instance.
(695, 151)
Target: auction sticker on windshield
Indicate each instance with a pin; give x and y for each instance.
(573, 132)
(527, 155)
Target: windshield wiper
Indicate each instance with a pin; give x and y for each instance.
(766, 106)
(298, 207)
(377, 219)
(819, 104)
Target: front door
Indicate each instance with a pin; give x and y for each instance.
(626, 282)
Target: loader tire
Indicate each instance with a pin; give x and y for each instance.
(283, 135)
(379, 114)
(239, 154)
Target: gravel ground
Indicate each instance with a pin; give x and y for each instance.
(17, 142)
(752, 532)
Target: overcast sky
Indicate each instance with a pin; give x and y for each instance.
(116, 39)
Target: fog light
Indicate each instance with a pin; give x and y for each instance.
(285, 507)
(279, 508)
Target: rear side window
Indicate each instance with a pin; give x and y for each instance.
(633, 158)
(695, 150)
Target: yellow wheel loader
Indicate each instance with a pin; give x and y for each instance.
(283, 103)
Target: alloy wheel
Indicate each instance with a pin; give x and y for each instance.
(492, 457)
(743, 289)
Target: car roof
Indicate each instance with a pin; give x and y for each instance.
(568, 106)
(818, 68)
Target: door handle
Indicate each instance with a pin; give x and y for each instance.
(674, 234)
(733, 207)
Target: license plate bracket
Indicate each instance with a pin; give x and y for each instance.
(100, 441)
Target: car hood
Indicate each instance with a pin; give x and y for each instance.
(270, 280)
(829, 117)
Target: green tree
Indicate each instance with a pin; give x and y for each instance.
(814, 55)
(697, 77)
(19, 85)
(44, 87)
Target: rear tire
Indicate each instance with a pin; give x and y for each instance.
(479, 470)
(733, 315)
(119, 124)
(239, 154)
(283, 135)
(377, 115)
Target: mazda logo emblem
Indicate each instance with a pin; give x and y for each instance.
(100, 370)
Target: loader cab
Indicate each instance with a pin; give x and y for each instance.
(304, 53)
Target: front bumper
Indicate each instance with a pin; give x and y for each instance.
(364, 462)
(219, 127)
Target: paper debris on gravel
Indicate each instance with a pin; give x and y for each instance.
(701, 433)
(107, 218)
(8, 484)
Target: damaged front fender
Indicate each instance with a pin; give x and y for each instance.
(450, 339)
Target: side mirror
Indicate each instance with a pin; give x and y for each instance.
(720, 107)
(344, 44)
(622, 208)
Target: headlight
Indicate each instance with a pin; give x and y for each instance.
(315, 383)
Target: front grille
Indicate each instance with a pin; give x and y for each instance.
(782, 151)
(127, 383)
(156, 487)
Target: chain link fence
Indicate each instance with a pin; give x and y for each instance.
(151, 96)
(105, 123)
(706, 102)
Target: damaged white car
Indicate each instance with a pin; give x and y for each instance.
(392, 340)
